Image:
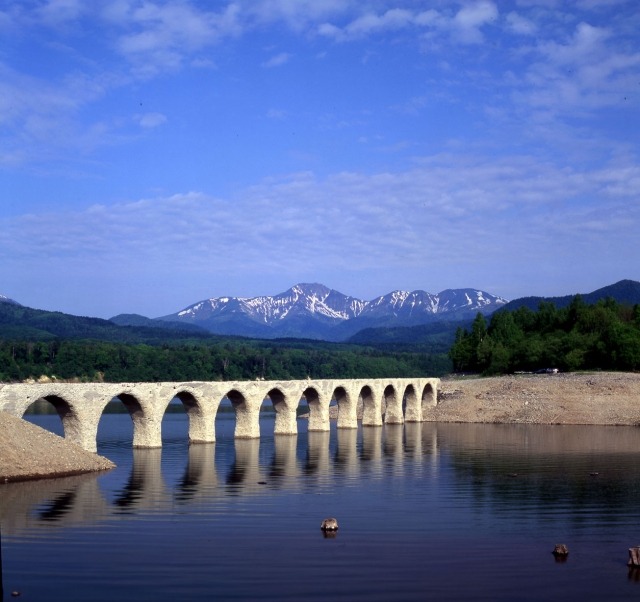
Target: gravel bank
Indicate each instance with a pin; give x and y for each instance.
(607, 398)
(30, 452)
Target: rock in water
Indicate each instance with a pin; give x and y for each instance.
(329, 524)
(561, 550)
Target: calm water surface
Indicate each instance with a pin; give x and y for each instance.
(426, 512)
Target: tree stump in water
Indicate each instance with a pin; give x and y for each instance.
(634, 556)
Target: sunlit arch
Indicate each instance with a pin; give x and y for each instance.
(318, 411)
(285, 410)
(371, 411)
(410, 406)
(201, 416)
(346, 407)
(247, 425)
(393, 406)
(144, 433)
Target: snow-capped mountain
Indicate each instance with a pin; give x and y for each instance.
(316, 311)
(315, 299)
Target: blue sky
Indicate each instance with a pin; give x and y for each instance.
(156, 153)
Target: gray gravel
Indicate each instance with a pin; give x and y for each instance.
(603, 398)
(30, 452)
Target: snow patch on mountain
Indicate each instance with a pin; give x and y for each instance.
(307, 309)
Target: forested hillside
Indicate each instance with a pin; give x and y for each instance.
(232, 360)
(36, 343)
(604, 336)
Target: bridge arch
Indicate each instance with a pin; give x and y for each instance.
(145, 415)
(285, 409)
(318, 409)
(347, 402)
(64, 408)
(411, 409)
(79, 419)
(200, 413)
(429, 398)
(247, 413)
(371, 406)
(393, 406)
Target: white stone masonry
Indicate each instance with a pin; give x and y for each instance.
(80, 406)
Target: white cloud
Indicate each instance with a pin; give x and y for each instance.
(57, 12)
(371, 23)
(465, 25)
(297, 14)
(161, 36)
(278, 60)
(151, 120)
(586, 72)
(38, 116)
(448, 211)
(470, 19)
(520, 25)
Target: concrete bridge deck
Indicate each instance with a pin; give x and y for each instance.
(80, 405)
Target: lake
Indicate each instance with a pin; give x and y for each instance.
(426, 512)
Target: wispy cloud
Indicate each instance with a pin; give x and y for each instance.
(278, 60)
(151, 120)
(447, 211)
(464, 133)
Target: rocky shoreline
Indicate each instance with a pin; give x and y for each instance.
(598, 398)
(30, 452)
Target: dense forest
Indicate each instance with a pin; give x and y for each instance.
(232, 360)
(578, 336)
(603, 336)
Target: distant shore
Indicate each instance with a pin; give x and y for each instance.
(598, 398)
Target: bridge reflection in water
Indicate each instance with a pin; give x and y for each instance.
(554, 464)
(343, 454)
(548, 460)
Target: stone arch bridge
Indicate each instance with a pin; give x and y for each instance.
(80, 406)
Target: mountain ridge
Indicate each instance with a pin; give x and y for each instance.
(313, 310)
(624, 291)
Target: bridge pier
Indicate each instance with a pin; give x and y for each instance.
(285, 404)
(81, 427)
(347, 399)
(318, 401)
(412, 408)
(393, 405)
(371, 400)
